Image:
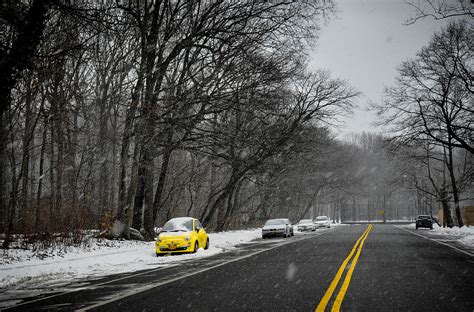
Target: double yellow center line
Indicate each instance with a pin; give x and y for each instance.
(342, 291)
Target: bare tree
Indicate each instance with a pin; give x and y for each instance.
(440, 9)
(433, 98)
(433, 94)
(172, 31)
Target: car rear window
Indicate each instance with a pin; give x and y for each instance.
(424, 217)
(275, 222)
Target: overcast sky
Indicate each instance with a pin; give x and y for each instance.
(364, 44)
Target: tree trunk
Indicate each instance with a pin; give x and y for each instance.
(235, 199)
(454, 187)
(231, 202)
(353, 209)
(3, 175)
(310, 203)
(104, 186)
(368, 209)
(219, 203)
(446, 208)
(223, 212)
(41, 177)
(58, 125)
(13, 198)
(25, 162)
(123, 201)
(335, 204)
(149, 224)
(144, 194)
(139, 195)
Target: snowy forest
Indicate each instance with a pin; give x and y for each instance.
(134, 112)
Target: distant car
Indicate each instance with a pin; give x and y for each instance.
(322, 221)
(306, 225)
(424, 221)
(181, 235)
(277, 227)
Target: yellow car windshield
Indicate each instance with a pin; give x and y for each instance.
(174, 225)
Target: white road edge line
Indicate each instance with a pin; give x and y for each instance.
(75, 259)
(437, 241)
(145, 288)
(88, 287)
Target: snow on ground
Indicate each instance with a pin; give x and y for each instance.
(464, 235)
(23, 268)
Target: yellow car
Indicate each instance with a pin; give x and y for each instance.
(181, 235)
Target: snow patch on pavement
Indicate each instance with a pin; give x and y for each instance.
(464, 235)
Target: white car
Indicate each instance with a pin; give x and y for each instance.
(306, 225)
(277, 227)
(322, 221)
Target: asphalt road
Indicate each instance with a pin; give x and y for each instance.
(393, 270)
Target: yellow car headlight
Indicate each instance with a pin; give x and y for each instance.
(187, 238)
(158, 239)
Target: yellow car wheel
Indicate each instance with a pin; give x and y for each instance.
(196, 247)
(207, 244)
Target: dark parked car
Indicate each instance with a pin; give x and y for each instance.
(424, 221)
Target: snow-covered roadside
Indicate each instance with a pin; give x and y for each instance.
(464, 235)
(19, 268)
